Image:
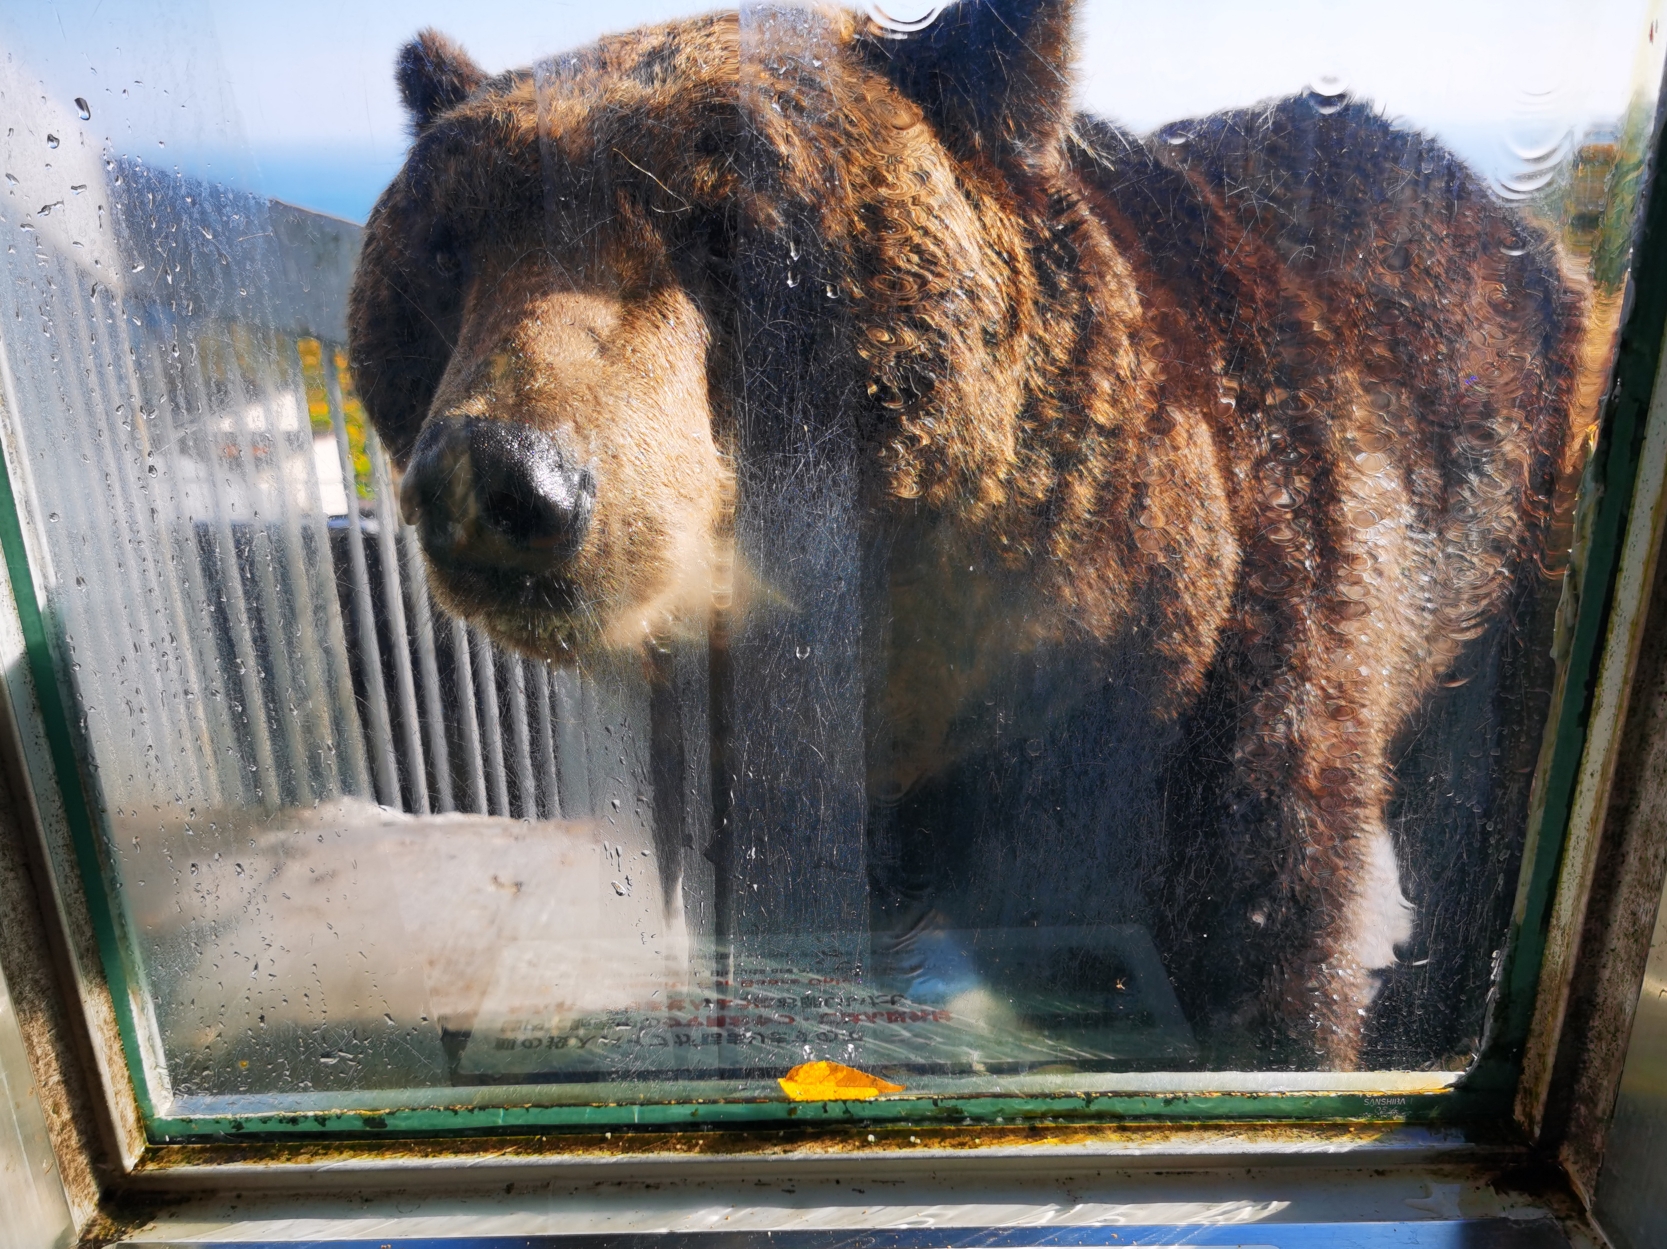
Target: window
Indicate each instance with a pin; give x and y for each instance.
(813, 564)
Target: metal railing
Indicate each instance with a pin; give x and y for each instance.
(452, 722)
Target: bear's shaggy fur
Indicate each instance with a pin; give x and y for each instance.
(1274, 402)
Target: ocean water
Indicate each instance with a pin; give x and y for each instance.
(341, 181)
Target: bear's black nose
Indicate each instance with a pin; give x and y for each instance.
(496, 494)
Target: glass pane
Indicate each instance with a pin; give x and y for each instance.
(1011, 547)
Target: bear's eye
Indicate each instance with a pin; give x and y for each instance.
(714, 236)
(446, 263)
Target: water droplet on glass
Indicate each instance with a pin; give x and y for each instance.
(1539, 142)
(801, 652)
(51, 140)
(904, 16)
(1363, 518)
(52, 516)
(1481, 435)
(792, 278)
(11, 179)
(1330, 92)
(1524, 183)
(151, 469)
(81, 107)
(1278, 496)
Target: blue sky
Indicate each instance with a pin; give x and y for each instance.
(296, 98)
(314, 78)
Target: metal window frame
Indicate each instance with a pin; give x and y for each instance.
(1622, 510)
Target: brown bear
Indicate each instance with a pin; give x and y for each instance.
(1249, 427)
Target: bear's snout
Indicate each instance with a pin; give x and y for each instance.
(496, 494)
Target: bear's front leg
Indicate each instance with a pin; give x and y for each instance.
(1310, 859)
(1337, 912)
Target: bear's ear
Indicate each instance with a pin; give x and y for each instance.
(434, 74)
(992, 75)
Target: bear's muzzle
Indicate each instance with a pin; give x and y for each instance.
(495, 494)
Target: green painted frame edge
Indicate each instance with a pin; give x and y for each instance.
(71, 785)
(1065, 1111)
(1484, 1095)
(1613, 473)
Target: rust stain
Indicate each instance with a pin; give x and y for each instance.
(814, 1141)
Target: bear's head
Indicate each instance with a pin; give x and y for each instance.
(557, 325)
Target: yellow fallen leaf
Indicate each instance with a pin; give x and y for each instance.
(832, 1082)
